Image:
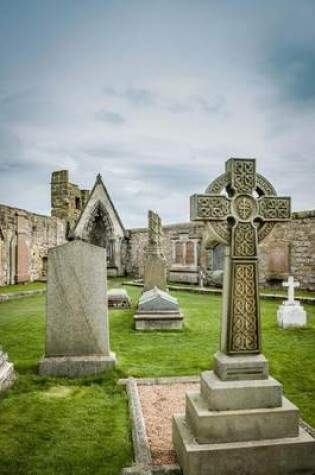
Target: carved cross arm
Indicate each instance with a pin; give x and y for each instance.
(209, 208)
(275, 208)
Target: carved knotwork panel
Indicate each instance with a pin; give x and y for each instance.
(244, 312)
(243, 175)
(210, 207)
(244, 242)
(274, 208)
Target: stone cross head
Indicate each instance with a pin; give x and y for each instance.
(291, 284)
(242, 208)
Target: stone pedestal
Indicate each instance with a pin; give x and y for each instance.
(291, 315)
(157, 310)
(7, 374)
(237, 426)
(77, 334)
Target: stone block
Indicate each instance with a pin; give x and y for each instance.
(291, 316)
(240, 425)
(159, 320)
(236, 368)
(234, 395)
(76, 366)
(285, 456)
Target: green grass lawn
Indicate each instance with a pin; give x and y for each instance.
(37, 285)
(81, 426)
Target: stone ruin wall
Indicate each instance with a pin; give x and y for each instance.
(299, 234)
(138, 242)
(31, 235)
(67, 199)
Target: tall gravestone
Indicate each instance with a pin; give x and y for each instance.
(240, 422)
(155, 264)
(77, 334)
(157, 309)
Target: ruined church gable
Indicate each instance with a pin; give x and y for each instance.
(99, 213)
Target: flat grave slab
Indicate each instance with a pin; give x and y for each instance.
(118, 298)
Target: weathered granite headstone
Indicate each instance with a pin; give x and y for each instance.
(155, 264)
(118, 298)
(291, 314)
(77, 334)
(240, 422)
(7, 373)
(157, 310)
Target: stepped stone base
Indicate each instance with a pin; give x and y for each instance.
(285, 456)
(75, 366)
(7, 373)
(235, 426)
(240, 425)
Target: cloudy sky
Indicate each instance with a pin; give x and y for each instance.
(155, 95)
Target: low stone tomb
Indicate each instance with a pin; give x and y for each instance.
(77, 334)
(118, 298)
(7, 374)
(158, 310)
(291, 314)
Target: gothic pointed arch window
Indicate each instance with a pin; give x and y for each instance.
(99, 231)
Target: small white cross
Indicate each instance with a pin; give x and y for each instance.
(291, 284)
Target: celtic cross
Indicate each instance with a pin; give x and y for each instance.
(242, 208)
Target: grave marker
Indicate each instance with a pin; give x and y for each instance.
(291, 284)
(77, 335)
(155, 265)
(240, 422)
(291, 314)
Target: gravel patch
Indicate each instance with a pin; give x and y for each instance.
(158, 404)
